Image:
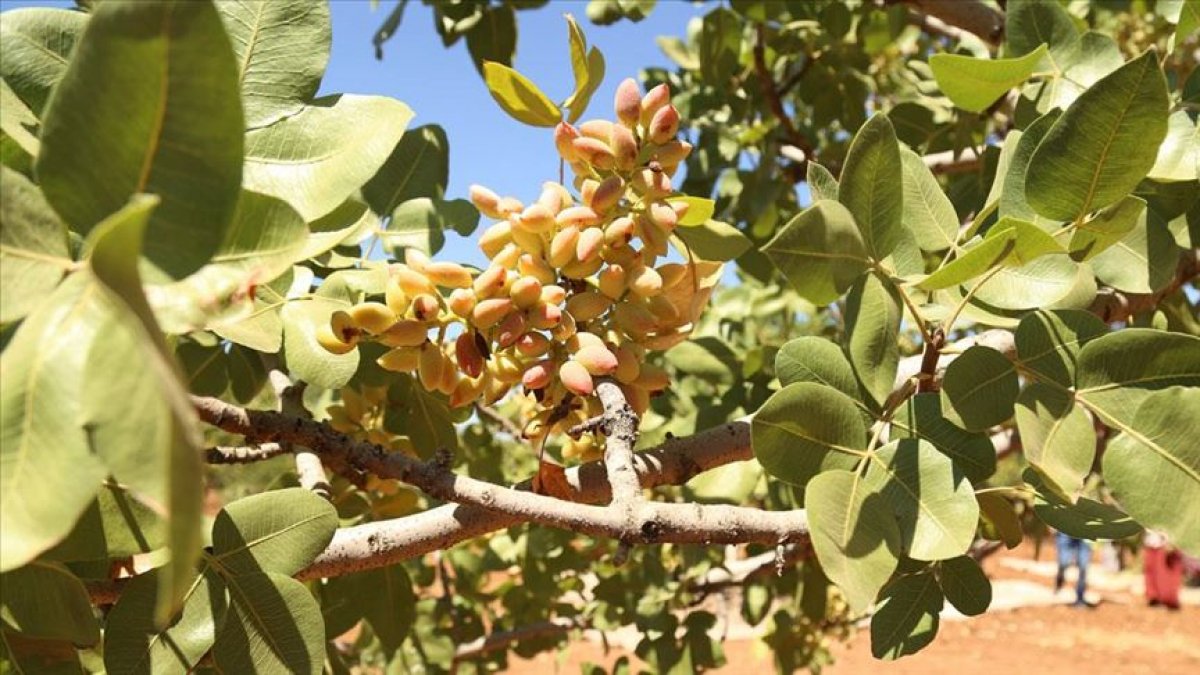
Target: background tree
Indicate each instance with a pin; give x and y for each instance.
(965, 240)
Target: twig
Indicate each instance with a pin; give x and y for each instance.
(951, 162)
(490, 414)
(973, 16)
(771, 93)
(243, 454)
(501, 639)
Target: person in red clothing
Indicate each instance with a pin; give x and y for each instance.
(1162, 566)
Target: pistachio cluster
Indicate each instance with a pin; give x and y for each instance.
(573, 291)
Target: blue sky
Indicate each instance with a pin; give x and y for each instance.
(442, 86)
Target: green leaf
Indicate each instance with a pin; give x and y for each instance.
(720, 43)
(974, 84)
(927, 210)
(307, 360)
(699, 210)
(872, 318)
(421, 223)
(1071, 70)
(18, 132)
(1153, 466)
(424, 417)
(870, 188)
(48, 473)
(419, 166)
(921, 417)
(999, 513)
(932, 500)
(281, 49)
(273, 626)
(1058, 438)
(386, 600)
(1049, 281)
(135, 643)
(979, 389)
(149, 103)
(1086, 518)
(820, 252)
(44, 600)
(318, 158)
(805, 429)
(1032, 23)
(278, 531)
(154, 446)
(588, 68)
(706, 357)
(1013, 203)
(1107, 227)
(990, 252)
(1048, 342)
(1144, 260)
(821, 183)
(907, 618)
(116, 525)
(733, 483)
(34, 254)
(854, 535)
(815, 359)
(519, 97)
(1116, 372)
(715, 240)
(494, 37)
(965, 585)
(35, 45)
(1103, 145)
(1179, 155)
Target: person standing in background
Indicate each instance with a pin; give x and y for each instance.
(1073, 551)
(1162, 567)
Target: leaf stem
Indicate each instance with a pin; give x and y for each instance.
(949, 323)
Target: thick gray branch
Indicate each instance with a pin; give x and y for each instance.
(973, 16)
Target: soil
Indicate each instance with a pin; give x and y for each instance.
(1119, 636)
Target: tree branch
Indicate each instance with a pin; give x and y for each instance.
(771, 94)
(243, 454)
(973, 16)
(950, 163)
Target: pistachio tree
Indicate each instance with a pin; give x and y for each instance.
(255, 420)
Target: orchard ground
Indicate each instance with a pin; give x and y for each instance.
(1028, 629)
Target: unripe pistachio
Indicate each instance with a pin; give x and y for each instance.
(511, 328)
(565, 329)
(581, 269)
(577, 216)
(462, 302)
(553, 295)
(416, 260)
(595, 152)
(509, 207)
(588, 305)
(495, 238)
(664, 341)
(680, 207)
(587, 247)
(466, 353)
(664, 125)
(662, 309)
(412, 282)
(490, 282)
(582, 340)
(576, 378)
(543, 316)
(490, 312)
(628, 102)
(448, 275)
(607, 194)
(554, 197)
(332, 339)
(652, 378)
(528, 243)
(493, 389)
(373, 317)
(651, 184)
(652, 102)
(597, 129)
(673, 152)
(525, 292)
(405, 333)
(532, 345)
(611, 281)
(645, 281)
(652, 236)
(619, 232)
(564, 135)
(506, 369)
(672, 274)
(562, 247)
(400, 359)
(664, 216)
(534, 266)
(449, 379)
(394, 296)
(507, 257)
(634, 320)
(624, 147)
(485, 200)
(466, 392)
(536, 218)
(629, 366)
(598, 360)
(429, 366)
(587, 188)
(426, 307)
(538, 375)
